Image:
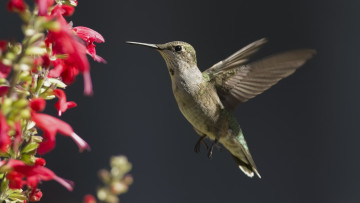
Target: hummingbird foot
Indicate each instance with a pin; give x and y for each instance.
(210, 152)
(198, 144)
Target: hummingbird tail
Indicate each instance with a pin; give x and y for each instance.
(246, 168)
(239, 150)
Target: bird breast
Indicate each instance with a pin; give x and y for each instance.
(198, 102)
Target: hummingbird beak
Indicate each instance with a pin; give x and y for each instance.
(154, 46)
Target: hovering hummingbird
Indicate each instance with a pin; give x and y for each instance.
(207, 99)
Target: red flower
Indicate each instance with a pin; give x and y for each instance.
(40, 162)
(90, 36)
(3, 90)
(89, 199)
(36, 196)
(61, 69)
(44, 6)
(65, 10)
(16, 180)
(21, 174)
(62, 105)
(3, 45)
(4, 136)
(4, 70)
(16, 6)
(18, 136)
(64, 41)
(51, 125)
(37, 104)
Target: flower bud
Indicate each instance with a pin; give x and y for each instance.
(37, 104)
(128, 179)
(118, 187)
(36, 196)
(89, 199)
(104, 175)
(16, 6)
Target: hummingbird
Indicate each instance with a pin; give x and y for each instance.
(207, 99)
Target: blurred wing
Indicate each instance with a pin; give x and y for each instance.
(236, 85)
(235, 60)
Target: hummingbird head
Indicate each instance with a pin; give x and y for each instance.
(177, 55)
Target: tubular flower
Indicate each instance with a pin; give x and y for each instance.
(50, 126)
(64, 10)
(4, 136)
(64, 41)
(21, 174)
(62, 105)
(16, 6)
(90, 36)
(43, 6)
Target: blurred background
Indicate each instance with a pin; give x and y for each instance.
(303, 132)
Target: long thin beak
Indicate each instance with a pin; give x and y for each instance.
(144, 44)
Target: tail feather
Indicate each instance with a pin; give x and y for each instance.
(246, 168)
(239, 150)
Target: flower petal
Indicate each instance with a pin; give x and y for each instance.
(5, 140)
(80, 142)
(4, 70)
(62, 104)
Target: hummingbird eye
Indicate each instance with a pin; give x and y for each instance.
(178, 48)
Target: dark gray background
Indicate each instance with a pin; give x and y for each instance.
(303, 132)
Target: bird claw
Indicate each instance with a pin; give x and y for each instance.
(198, 144)
(210, 152)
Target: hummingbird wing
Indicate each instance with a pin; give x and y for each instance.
(236, 84)
(236, 59)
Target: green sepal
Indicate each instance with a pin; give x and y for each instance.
(36, 51)
(21, 103)
(16, 195)
(36, 37)
(6, 106)
(4, 185)
(57, 82)
(29, 147)
(28, 159)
